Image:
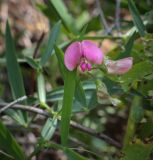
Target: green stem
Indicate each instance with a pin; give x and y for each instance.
(69, 89)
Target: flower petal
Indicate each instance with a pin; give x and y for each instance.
(91, 52)
(120, 66)
(72, 55)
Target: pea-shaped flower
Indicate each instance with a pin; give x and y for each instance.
(120, 66)
(82, 54)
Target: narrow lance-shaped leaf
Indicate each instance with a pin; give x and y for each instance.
(32, 63)
(128, 47)
(9, 145)
(62, 12)
(80, 94)
(135, 115)
(60, 56)
(69, 89)
(51, 42)
(136, 18)
(14, 74)
(41, 88)
(49, 128)
(74, 155)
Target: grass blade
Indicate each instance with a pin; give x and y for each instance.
(136, 18)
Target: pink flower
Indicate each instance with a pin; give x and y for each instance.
(82, 54)
(120, 66)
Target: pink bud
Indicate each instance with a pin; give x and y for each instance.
(85, 51)
(88, 66)
(120, 66)
(83, 66)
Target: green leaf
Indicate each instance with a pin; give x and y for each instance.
(137, 151)
(89, 89)
(17, 116)
(13, 68)
(9, 145)
(137, 111)
(79, 93)
(49, 128)
(41, 88)
(60, 56)
(14, 72)
(62, 12)
(5, 156)
(32, 63)
(51, 42)
(55, 95)
(137, 73)
(72, 155)
(136, 18)
(135, 115)
(145, 130)
(103, 96)
(128, 47)
(69, 89)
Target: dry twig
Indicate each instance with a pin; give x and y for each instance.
(72, 123)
